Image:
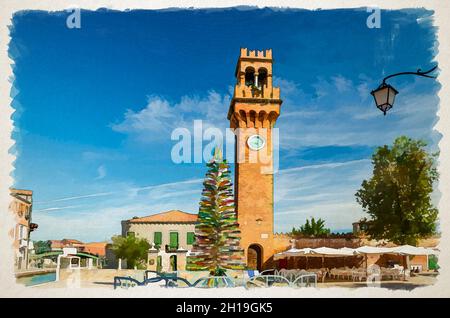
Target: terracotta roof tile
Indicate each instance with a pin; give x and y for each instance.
(173, 216)
(97, 244)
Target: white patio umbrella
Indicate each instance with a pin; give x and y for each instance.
(291, 252)
(373, 250)
(328, 251)
(333, 252)
(413, 250)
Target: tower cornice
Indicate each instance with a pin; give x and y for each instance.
(257, 101)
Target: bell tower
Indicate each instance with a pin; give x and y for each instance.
(253, 111)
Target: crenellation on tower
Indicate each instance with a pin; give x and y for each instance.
(264, 54)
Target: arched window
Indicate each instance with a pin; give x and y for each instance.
(262, 77)
(249, 76)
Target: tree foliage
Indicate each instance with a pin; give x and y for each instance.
(42, 246)
(312, 228)
(217, 235)
(397, 196)
(131, 248)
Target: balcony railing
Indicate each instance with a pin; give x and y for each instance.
(171, 248)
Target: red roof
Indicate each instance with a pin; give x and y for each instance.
(56, 244)
(98, 248)
(71, 241)
(173, 216)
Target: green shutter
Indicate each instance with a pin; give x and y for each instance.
(190, 238)
(157, 239)
(173, 240)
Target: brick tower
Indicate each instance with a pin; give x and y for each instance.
(253, 112)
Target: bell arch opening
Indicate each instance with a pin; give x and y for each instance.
(249, 76)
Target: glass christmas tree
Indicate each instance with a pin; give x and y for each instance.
(217, 235)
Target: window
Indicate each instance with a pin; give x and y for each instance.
(262, 78)
(249, 76)
(157, 238)
(173, 240)
(21, 232)
(131, 234)
(190, 238)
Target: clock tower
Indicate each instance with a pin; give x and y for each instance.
(253, 112)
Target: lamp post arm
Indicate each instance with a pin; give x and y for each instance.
(418, 73)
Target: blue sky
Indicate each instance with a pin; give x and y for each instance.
(95, 107)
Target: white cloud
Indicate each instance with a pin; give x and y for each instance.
(101, 172)
(341, 83)
(58, 208)
(159, 117)
(155, 118)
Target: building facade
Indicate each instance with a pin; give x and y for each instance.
(94, 248)
(171, 235)
(58, 245)
(21, 206)
(253, 112)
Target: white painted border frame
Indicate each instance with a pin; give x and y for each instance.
(8, 287)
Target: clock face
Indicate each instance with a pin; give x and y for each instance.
(256, 142)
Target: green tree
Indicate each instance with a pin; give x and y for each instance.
(217, 235)
(131, 248)
(42, 246)
(397, 196)
(312, 228)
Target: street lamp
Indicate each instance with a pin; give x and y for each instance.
(384, 95)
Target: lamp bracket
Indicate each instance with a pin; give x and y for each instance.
(418, 73)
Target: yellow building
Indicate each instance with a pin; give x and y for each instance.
(21, 206)
(171, 235)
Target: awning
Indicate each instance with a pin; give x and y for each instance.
(345, 251)
(293, 252)
(333, 252)
(413, 250)
(373, 250)
(316, 252)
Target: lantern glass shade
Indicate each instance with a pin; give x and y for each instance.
(384, 97)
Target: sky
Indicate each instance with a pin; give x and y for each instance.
(95, 107)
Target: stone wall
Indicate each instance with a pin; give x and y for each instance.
(281, 242)
(431, 242)
(327, 242)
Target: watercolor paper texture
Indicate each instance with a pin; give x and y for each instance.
(163, 149)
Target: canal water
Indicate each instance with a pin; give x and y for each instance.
(37, 279)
